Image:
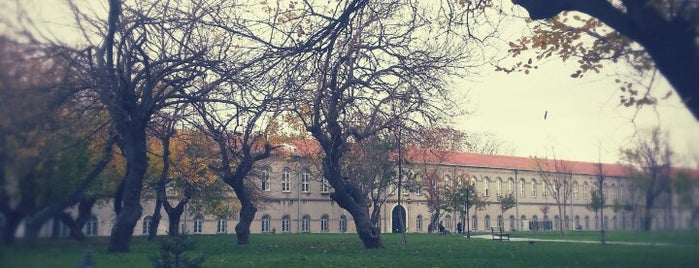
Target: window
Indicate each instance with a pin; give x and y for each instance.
(474, 223)
(222, 225)
(605, 224)
(577, 221)
(620, 194)
(575, 190)
(61, 228)
(323, 185)
(286, 182)
(147, 220)
(587, 222)
(265, 180)
(596, 222)
(511, 186)
(447, 223)
(533, 190)
(521, 222)
(91, 226)
(304, 182)
(512, 222)
(286, 221)
(198, 223)
(499, 187)
(501, 222)
(324, 223)
(586, 192)
(612, 192)
(486, 222)
(265, 224)
(521, 188)
(486, 186)
(544, 191)
(343, 223)
(418, 223)
(306, 224)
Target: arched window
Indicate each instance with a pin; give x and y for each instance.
(511, 186)
(596, 222)
(486, 186)
(306, 224)
(286, 222)
(522, 222)
(324, 227)
(521, 188)
(605, 224)
(305, 182)
(587, 222)
(512, 222)
(343, 223)
(91, 227)
(586, 191)
(198, 224)
(556, 222)
(501, 222)
(222, 226)
(286, 180)
(265, 180)
(612, 192)
(447, 223)
(567, 222)
(147, 221)
(418, 188)
(620, 195)
(486, 222)
(474, 222)
(324, 185)
(265, 224)
(498, 187)
(533, 188)
(418, 223)
(577, 222)
(575, 191)
(544, 191)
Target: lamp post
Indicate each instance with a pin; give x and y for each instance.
(468, 218)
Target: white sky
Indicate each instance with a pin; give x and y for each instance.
(583, 115)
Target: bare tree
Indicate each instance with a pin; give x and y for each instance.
(371, 72)
(648, 162)
(558, 177)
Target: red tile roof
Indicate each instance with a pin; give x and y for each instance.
(509, 162)
(308, 147)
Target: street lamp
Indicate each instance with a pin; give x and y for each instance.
(468, 218)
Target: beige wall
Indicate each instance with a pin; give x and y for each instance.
(295, 203)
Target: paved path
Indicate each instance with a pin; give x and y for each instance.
(489, 237)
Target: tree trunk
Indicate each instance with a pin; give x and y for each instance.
(12, 220)
(174, 214)
(134, 148)
(31, 230)
(647, 218)
(247, 213)
(560, 219)
(155, 222)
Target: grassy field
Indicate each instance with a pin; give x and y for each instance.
(345, 250)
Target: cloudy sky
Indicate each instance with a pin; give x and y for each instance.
(584, 120)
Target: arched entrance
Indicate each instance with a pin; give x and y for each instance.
(398, 217)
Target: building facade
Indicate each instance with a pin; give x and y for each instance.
(296, 199)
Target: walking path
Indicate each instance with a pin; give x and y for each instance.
(532, 240)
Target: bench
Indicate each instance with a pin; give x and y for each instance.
(499, 233)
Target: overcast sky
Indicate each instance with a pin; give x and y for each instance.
(583, 115)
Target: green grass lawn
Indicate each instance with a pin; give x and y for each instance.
(345, 250)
